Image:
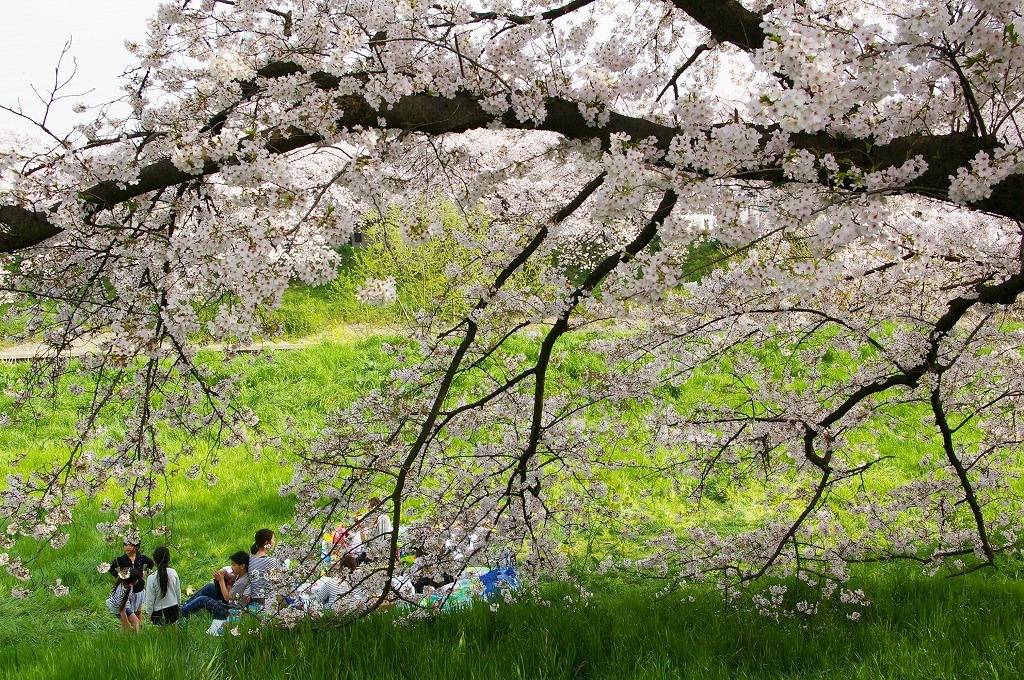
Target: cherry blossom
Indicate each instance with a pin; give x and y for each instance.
(854, 168)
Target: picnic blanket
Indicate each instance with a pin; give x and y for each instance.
(475, 584)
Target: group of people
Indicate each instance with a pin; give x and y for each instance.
(138, 589)
(144, 585)
(351, 543)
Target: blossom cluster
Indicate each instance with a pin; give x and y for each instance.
(825, 164)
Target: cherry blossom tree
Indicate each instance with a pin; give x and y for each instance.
(858, 165)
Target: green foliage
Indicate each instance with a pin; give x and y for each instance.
(11, 322)
(419, 270)
(702, 258)
(307, 311)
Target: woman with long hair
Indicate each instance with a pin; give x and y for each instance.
(163, 590)
(119, 602)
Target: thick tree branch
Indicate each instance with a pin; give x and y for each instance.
(520, 19)
(938, 410)
(22, 228)
(440, 115)
(728, 21)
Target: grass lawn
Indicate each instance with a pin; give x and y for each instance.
(918, 627)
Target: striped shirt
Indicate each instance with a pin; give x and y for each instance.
(328, 589)
(260, 571)
(118, 595)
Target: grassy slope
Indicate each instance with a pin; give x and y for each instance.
(209, 523)
(917, 628)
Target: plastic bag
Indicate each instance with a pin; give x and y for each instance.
(497, 580)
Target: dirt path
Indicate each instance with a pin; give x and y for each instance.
(31, 350)
(28, 351)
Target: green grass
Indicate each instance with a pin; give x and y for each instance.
(209, 523)
(307, 311)
(917, 628)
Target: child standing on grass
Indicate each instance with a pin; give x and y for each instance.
(134, 559)
(120, 600)
(163, 590)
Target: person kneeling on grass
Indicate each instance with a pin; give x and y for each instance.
(120, 600)
(163, 590)
(225, 592)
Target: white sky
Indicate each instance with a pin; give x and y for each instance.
(32, 33)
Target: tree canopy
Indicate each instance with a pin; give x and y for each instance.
(857, 164)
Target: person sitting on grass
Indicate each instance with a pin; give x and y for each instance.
(350, 543)
(347, 549)
(261, 566)
(225, 592)
(119, 603)
(163, 590)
